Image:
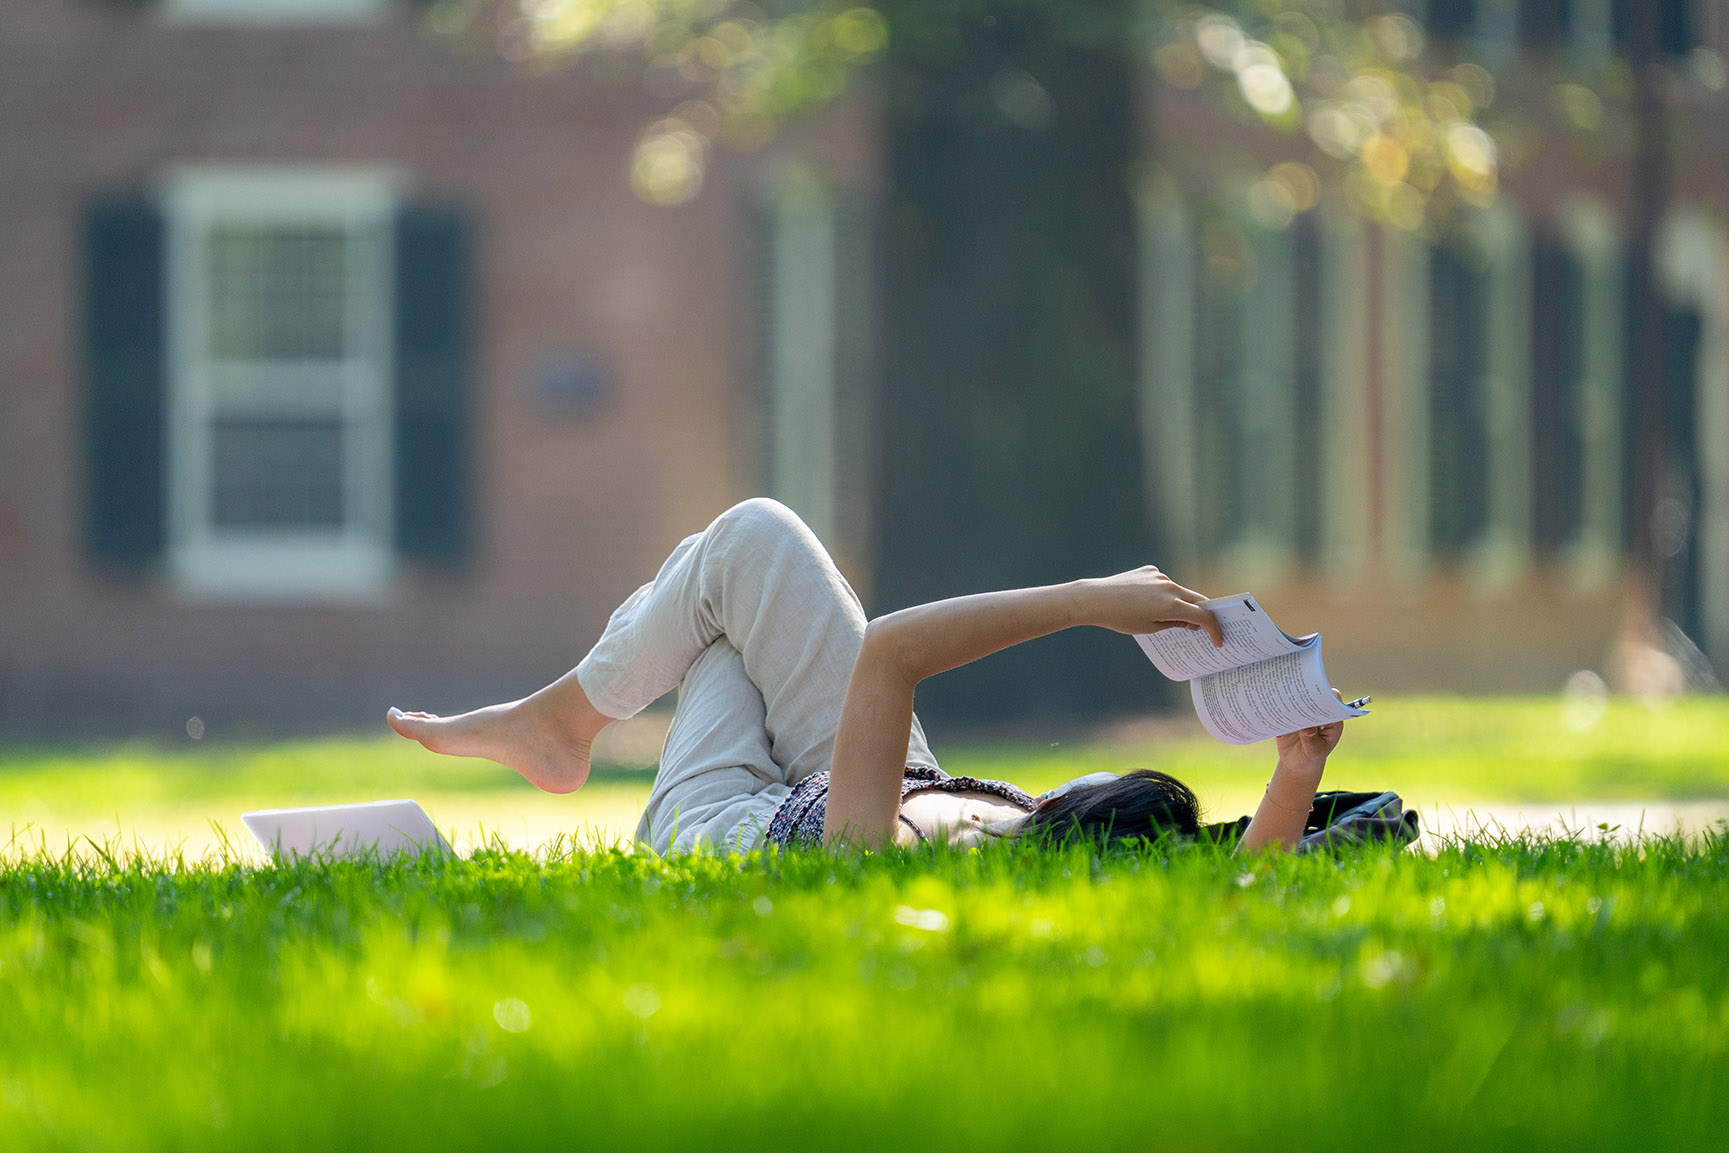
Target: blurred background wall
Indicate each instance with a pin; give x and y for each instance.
(346, 362)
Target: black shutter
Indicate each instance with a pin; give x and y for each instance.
(1557, 336)
(1543, 24)
(1677, 27)
(434, 363)
(1451, 19)
(1458, 409)
(1677, 34)
(1680, 487)
(124, 402)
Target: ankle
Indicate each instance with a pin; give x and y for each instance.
(566, 717)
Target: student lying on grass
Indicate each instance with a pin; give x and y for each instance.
(795, 719)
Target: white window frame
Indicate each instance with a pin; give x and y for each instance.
(355, 561)
(1263, 547)
(1505, 555)
(275, 11)
(1502, 554)
(1166, 329)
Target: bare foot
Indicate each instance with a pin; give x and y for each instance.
(545, 737)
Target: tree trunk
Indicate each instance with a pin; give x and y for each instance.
(1010, 451)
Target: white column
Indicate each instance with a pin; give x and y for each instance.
(802, 350)
(1405, 398)
(1695, 267)
(1266, 411)
(1712, 436)
(1591, 237)
(1507, 387)
(1346, 481)
(1497, 30)
(1167, 369)
(1592, 29)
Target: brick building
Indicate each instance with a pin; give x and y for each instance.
(1429, 446)
(340, 367)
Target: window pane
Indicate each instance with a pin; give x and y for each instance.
(277, 293)
(277, 473)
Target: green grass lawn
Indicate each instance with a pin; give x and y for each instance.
(1515, 994)
(1432, 751)
(1442, 749)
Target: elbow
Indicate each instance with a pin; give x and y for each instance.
(885, 647)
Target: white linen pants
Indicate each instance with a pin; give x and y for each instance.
(759, 631)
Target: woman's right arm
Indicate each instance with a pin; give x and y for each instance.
(903, 648)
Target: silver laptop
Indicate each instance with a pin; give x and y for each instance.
(382, 827)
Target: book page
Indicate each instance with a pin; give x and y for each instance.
(1250, 635)
(1271, 697)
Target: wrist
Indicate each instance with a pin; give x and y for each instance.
(1077, 600)
(1300, 767)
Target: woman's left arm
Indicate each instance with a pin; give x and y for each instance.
(903, 648)
(1284, 810)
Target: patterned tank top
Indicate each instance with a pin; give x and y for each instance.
(797, 820)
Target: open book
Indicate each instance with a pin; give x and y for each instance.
(1262, 683)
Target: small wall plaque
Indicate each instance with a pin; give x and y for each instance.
(578, 385)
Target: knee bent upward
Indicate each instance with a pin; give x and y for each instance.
(762, 518)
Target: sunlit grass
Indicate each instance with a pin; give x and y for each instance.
(1441, 749)
(1514, 995)
(1433, 751)
(165, 796)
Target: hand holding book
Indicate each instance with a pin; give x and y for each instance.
(1262, 682)
(1145, 599)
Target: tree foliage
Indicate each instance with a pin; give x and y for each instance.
(731, 71)
(1400, 132)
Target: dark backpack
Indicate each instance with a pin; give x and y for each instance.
(1338, 819)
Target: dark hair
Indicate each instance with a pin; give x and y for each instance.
(1142, 803)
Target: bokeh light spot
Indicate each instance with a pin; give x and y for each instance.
(1266, 89)
(860, 32)
(1300, 181)
(512, 1015)
(1471, 157)
(1220, 39)
(1581, 107)
(1179, 65)
(668, 165)
(1385, 159)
